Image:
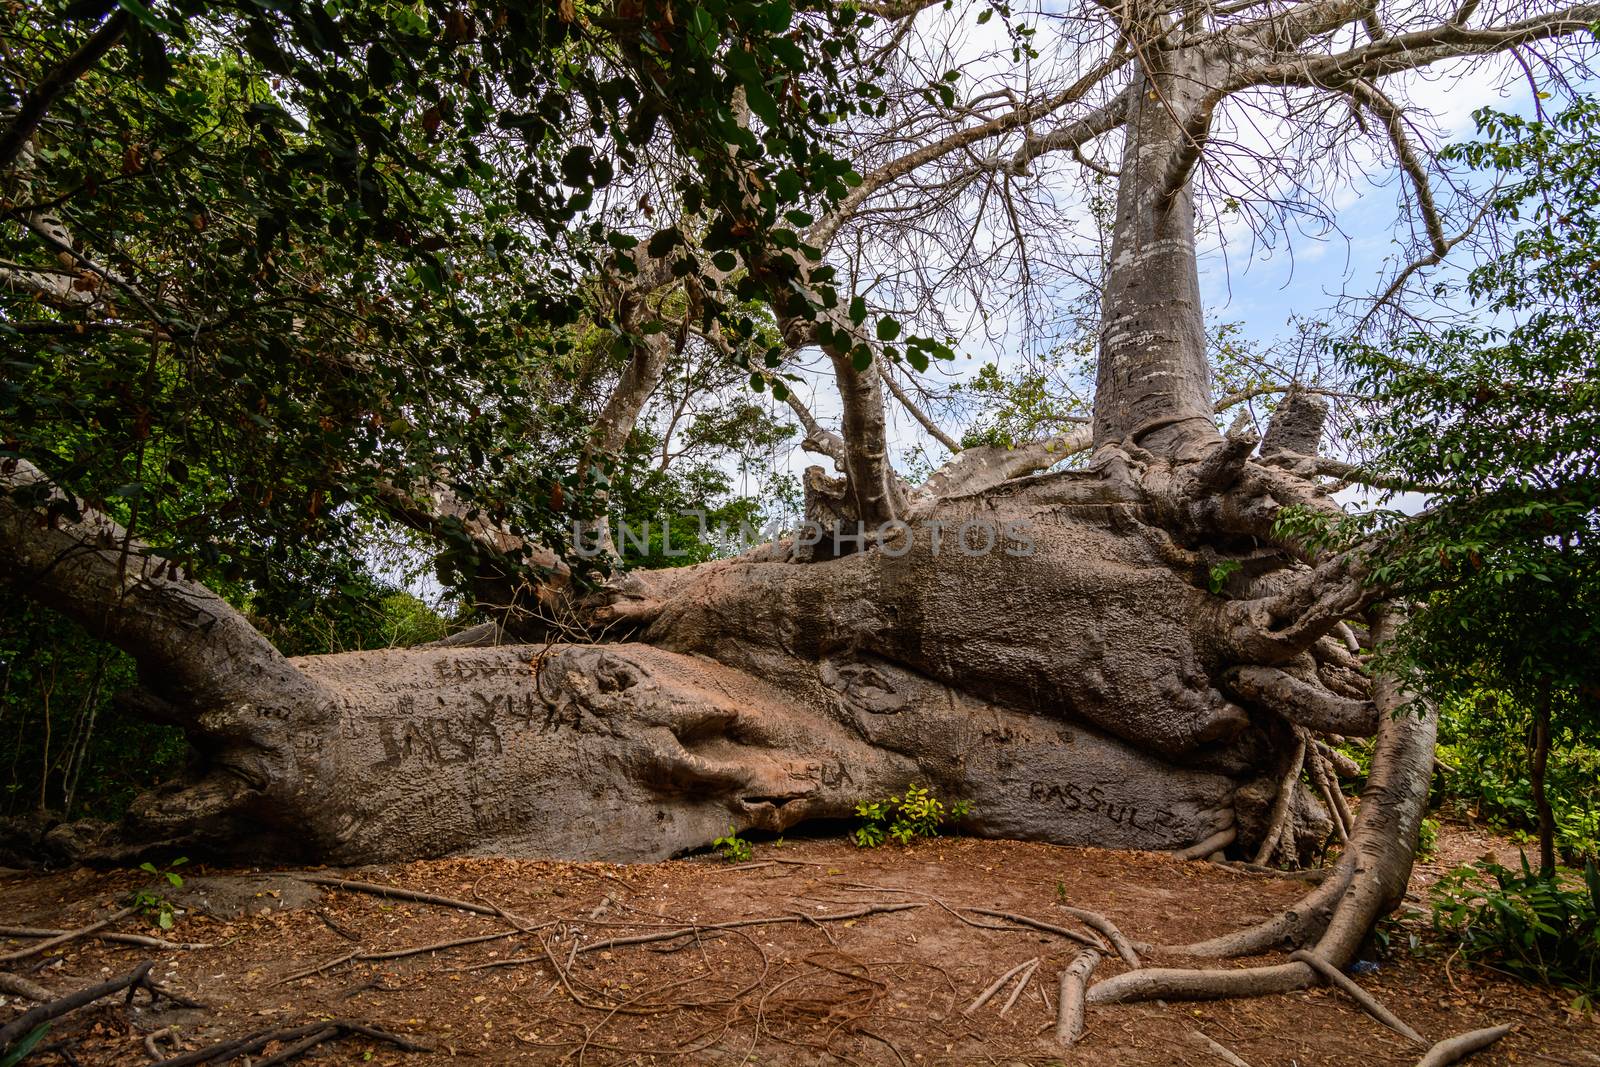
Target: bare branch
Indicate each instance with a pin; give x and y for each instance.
(1373, 97)
(1101, 120)
(917, 413)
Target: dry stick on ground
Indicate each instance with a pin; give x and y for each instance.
(260, 1039)
(1201, 849)
(299, 1048)
(692, 929)
(1069, 1012)
(394, 892)
(66, 936)
(994, 987)
(319, 968)
(348, 935)
(1222, 1052)
(54, 1009)
(1454, 1049)
(21, 987)
(1049, 928)
(107, 935)
(1359, 995)
(401, 953)
(1283, 803)
(1109, 930)
(1022, 983)
(151, 1040)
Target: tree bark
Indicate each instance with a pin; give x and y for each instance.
(756, 691)
(1153, 384)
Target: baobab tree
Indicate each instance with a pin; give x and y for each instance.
(1136, 651)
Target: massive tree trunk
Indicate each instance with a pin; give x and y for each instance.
(1050, 649)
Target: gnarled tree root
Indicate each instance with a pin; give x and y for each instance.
(1367, 1001)
(1454, 1049)
(1070, 1011)
(1368, 880)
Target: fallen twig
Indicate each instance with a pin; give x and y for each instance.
(319, 968)
(687, 930)
(1069, 1011)
(1049, 928)
(304, 1045)
(1455, 1049)
(994, 987)
(1359, 995)
(395, 892)
(1222, 1052)
(28, 1020)
(106, 935)
(66, 936)
(1022, 983)
(297, 1036)
(21, 987)
(327, 920)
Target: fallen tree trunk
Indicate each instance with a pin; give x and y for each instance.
(1048, 650)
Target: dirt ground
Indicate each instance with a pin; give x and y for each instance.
(888, 987)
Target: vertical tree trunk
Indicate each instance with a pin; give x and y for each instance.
(1153, 383)
(1536, 777)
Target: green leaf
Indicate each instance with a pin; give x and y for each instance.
(18, 1052)
(888, 329)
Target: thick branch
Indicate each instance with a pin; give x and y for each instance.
(193, 648)
(1303, 703)
(36, 102)
(1372, 97)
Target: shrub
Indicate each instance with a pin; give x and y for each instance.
(1484, 736)
(905, 817)
(1541, 929)
(733, 848)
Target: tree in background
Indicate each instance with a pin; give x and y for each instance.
(1500, 425)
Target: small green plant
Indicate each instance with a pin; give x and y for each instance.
(1542, 929)
(733, 848)
(1427, 839)
(153, 904)
(1220, 573)
(905, 817)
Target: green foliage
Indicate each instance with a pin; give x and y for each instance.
(68, 747)
(1219, 573)
(1016, 407)
(905, 817)
(19, 1052)
(335, 248)
(1484, 736)
(1427, 839)
(1500, 424)
(151, 902)
(1542, 929)
(733, 848)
